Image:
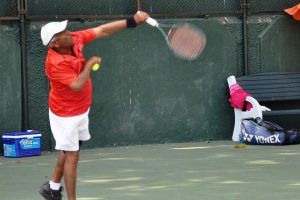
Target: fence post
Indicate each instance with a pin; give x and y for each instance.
(21, 13)
(245, 7)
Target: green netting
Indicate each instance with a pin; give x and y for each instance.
(124, 7)
(8, 8)
(101, 8)
(80, 7)
(190, 6)
(271, 5)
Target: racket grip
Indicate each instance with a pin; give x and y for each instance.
(152, 22)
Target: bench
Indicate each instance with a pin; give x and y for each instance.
(279, 91)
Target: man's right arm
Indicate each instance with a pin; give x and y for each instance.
(115, 26)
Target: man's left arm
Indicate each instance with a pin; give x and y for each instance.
(78, 84)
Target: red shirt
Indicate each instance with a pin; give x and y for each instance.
(62, 70)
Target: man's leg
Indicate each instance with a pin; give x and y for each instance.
(70, 173)
(59, 168)
(52, 190)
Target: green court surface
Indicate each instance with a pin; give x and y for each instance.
(181, 171)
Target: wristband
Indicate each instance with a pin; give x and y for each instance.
(130, 22)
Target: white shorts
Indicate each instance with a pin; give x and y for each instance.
(67, 131)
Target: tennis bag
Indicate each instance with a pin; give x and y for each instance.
(260, 132)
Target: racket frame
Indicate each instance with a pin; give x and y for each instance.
(159, 26)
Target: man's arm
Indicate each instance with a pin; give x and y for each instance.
(104, 31)
(115, 26)
(79, 83)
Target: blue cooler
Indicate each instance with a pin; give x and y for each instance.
(22, 144)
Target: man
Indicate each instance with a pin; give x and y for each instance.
(71, 94)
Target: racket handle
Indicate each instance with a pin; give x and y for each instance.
(152, 22)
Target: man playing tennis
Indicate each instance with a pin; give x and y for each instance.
(71, 94)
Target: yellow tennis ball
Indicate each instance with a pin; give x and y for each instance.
(96, 66)
(239, 146)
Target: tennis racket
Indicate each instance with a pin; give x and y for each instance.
(185, 40)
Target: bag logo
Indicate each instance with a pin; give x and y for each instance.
(272, 139)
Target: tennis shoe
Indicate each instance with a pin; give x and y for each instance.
(50, 194)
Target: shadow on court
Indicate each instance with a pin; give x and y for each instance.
(184, 171)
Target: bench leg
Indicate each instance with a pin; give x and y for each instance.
(236, 132)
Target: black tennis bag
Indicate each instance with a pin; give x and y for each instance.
(260, 132)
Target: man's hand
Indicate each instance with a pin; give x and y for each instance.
(93, 60)
(140, 17)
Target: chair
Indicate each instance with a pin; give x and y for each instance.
(240, 115)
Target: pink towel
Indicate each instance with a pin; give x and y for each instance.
(238, 97)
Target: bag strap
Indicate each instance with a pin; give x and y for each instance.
(268, 125)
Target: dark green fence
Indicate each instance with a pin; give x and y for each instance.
(34, 9)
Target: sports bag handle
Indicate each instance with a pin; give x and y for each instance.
(268, 125)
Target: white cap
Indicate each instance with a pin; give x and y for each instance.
(50, 29)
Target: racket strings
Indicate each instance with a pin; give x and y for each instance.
(186, 42)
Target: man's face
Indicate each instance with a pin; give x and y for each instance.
(63, 39)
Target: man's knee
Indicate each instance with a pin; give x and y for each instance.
(72, 156)
(80, 144)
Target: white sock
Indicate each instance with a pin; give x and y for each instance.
(54, 186)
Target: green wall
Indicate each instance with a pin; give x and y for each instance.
(273, 43)
(10, 76)
(143, 93)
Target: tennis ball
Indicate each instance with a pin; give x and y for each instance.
(240, 146)
(96, 66)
